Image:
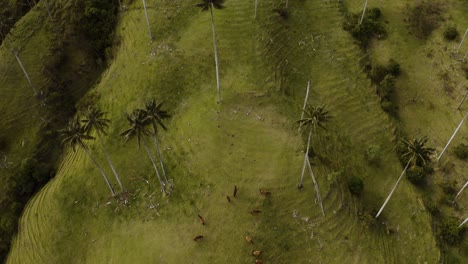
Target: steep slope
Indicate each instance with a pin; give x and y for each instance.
(250, 140)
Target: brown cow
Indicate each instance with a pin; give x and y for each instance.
(249, 239)
(255, 212)
(228, 198)
(258, 261)
(202, 221)
(256, 253)
(265, 192)
(198, 238)
(235, 191)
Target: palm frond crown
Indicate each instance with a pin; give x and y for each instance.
(137, 120)
(316, 116)
(74, 134)
(155, 115)
(94, 120)
(416, 149)
(205, 5)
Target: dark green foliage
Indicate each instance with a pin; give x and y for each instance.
(388, 107)
(98, 23)
(10, 12)
(461, 151)
(432, 207)
(368, 29)
(386, 87)
(449, 231)
(355, 185)
(416, 175)
(424, 17)
(450, 33)
(3, 144)
(378, 73)
(373, 154)
(374, 13)
(393, 68)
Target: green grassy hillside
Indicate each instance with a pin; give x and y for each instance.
(251, 140)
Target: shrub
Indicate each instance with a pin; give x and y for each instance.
(386, 87)
(424, 17)
(450, 33)
(461, 151)
(368, 29)
(355, 185)
(378, 73)
(432, 207)
(374, 13)
(393, 68)
(373, 154)
(415, 175)
(449, 231)
(388, 107)
(3, 144)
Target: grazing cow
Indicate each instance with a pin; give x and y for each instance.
(202, 221)
(235, 191)
(258, 261)
(255, 212)
(228, 198)
(256, 253)
(265, 192)
(198, 238)
(249, 239)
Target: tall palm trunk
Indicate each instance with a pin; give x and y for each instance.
(100, 169)
(306, 158)
(464, 222)
(46, 4)
(394, 188)
(317, 191)
(363, 12)
(110, 163)
(305, 101)
(452, 137)
(215, 53)
(156, 143)
(463, 100)
(256, 6)
(154, 165)
(147, 21)
(287, 3)
(463, 39)
(22, 66)
(461, 190)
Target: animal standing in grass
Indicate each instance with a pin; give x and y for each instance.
(74, 135)
(210, 5)
(94, 121)
(138, 121)
(417, 153)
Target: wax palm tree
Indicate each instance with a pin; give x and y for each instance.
(138, 121)
(210, 5)
(417, 154)
(316, 116)
(73, 136)
(155, 116)
(94, 121)
(147, 21)
(363, 12)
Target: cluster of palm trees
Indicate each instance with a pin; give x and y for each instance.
(94, 122)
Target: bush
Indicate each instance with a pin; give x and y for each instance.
(450, 33)
(386, 87)
(415, 175)
(355, 185)
(432, 207)
(368, 29)
(378, 73)
(3, 144)
(424, 17)
(449, 231)
(388, 107)
(461, 151)
(374, 13)
(393, 68)
(373, 154)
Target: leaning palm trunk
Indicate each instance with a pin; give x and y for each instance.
(100, 169)
(22, 66)
(156, 142)
(461, 190)
(394, 188)
(154, 165)
(319, 198)
(46, 4)
(463, 39)
(215, 53)
(463, 100)
(464, 222)
(256, 6)
(111, 164)
(305, 101)
(363, 12)
(286, 5)
(306, 158)
(452, 137)
(147, 21)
